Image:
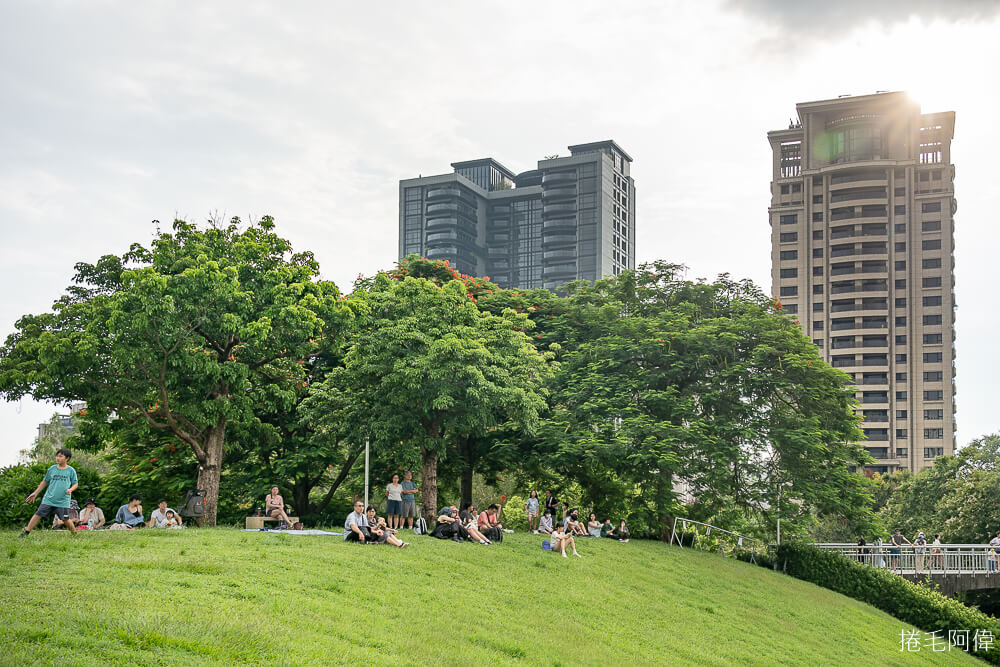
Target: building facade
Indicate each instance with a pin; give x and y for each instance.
(571, 218)
(862, 254)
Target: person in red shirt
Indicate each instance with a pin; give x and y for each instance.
(489, 525)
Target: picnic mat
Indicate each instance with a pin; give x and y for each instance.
(292, 532)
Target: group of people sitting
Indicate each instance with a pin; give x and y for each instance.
(128, 517)
(571, 524)
(364, 526)
(466, 525)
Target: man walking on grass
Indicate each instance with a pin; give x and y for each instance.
(62, 482)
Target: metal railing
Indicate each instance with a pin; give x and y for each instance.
(701, 538)
(932, 559)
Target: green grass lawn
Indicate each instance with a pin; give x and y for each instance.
(224, 596)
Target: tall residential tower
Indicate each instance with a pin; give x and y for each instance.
(862, 253)
(571, 218)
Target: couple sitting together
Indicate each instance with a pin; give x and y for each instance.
(364, 527)
(484, 528)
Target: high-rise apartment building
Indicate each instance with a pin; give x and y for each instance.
(571, 218)
(862, 222)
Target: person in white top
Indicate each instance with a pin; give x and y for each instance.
(394, 504)
(158, 519)
(992, 552)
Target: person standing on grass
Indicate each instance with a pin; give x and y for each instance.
(394, 502)
(274, 507)
(356, 524)
(545, 523)
(130, 515)
(992, 552)
(409, 500)
(62, 482)
(531, 509)
(561, 538)
(91, 516)
(551, 504)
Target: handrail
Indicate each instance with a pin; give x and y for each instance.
(741, 540)
(929, 558)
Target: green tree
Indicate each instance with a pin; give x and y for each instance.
(55, 434)
(203, 329)
(427, 368)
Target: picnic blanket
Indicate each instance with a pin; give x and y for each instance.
(293, 532)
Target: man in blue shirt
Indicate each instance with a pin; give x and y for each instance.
(62, 482)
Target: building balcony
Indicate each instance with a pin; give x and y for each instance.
(562, 192)
(549, 240)
(558, 209)
(559, 225)
(551, 255)
(442, 223)
(554, 177)
(566, 271)
(449, 252)
(441, 193)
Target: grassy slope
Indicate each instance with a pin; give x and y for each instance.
(206, 596)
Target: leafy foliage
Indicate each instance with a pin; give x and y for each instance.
(16, 482)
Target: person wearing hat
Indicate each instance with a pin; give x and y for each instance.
(920, 548)
(91, 517)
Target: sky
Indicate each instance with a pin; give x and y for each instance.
(113, 115)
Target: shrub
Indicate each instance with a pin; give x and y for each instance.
(16, 482)
(913, 604)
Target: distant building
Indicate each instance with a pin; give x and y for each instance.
(862, 253)
(46, 429)
(571, 218)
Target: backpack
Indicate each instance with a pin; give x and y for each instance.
(546, 545)
(420, 526)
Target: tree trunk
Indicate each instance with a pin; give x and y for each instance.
(467, 470)
(429, 485)
(210, 470)
(300, 496)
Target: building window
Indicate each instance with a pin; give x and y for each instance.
(784, 189)
(931, 263)
(899, 209)
(900, 302)
(900, 395)
(817, 199)
(789, 219)
(788, 237)
(900, 377)
(901, 321)
(789, 273)
(818, 181)
(933, 395)
(933, 452)
(930, 207)
(817, 289)
(933, 433)
(933, 376)
(900, 246)
(818, 342)
(930, 226)
(817, 252)
(817, 326)
(933, 415)
(900, 358)
(931, 282)
(790, 291)
(930, 244)
(900, 264)
(900, 227)
(900, 414)
(933, 357)
(932, 300)
(817, 270)
(900, 340)
(933, 339)
(932, 319)
(786, 255)
(790, 163)
(901, 433)
(900, 283)
(899, 192)
(817, 307)
(818, 217)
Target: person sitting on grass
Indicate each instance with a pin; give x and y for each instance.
(380, 532)
(489, 525)
(274, 507)
(594, 526)
(622, 531)
(91, 517)
(173, 520)
(561, 538)
(356, 524)
(130, 515)
(573, 524)
(158, 519)
(607, 530)
(62, 482)
(470, 522)
(545, 523)
(449, 525)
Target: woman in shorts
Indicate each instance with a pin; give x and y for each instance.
(531, 509)
(394, 504)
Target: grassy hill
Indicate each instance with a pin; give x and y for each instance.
(223, 596)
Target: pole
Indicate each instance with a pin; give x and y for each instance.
(366, 473)
(779, 516)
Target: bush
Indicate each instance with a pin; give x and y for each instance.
(16, 482)
(913, 604)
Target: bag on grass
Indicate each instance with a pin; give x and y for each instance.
(546, 545)
(420, 526)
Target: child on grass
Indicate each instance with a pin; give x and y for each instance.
(560, 539)
(62, 482)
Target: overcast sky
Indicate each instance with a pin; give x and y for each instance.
(116, 114)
